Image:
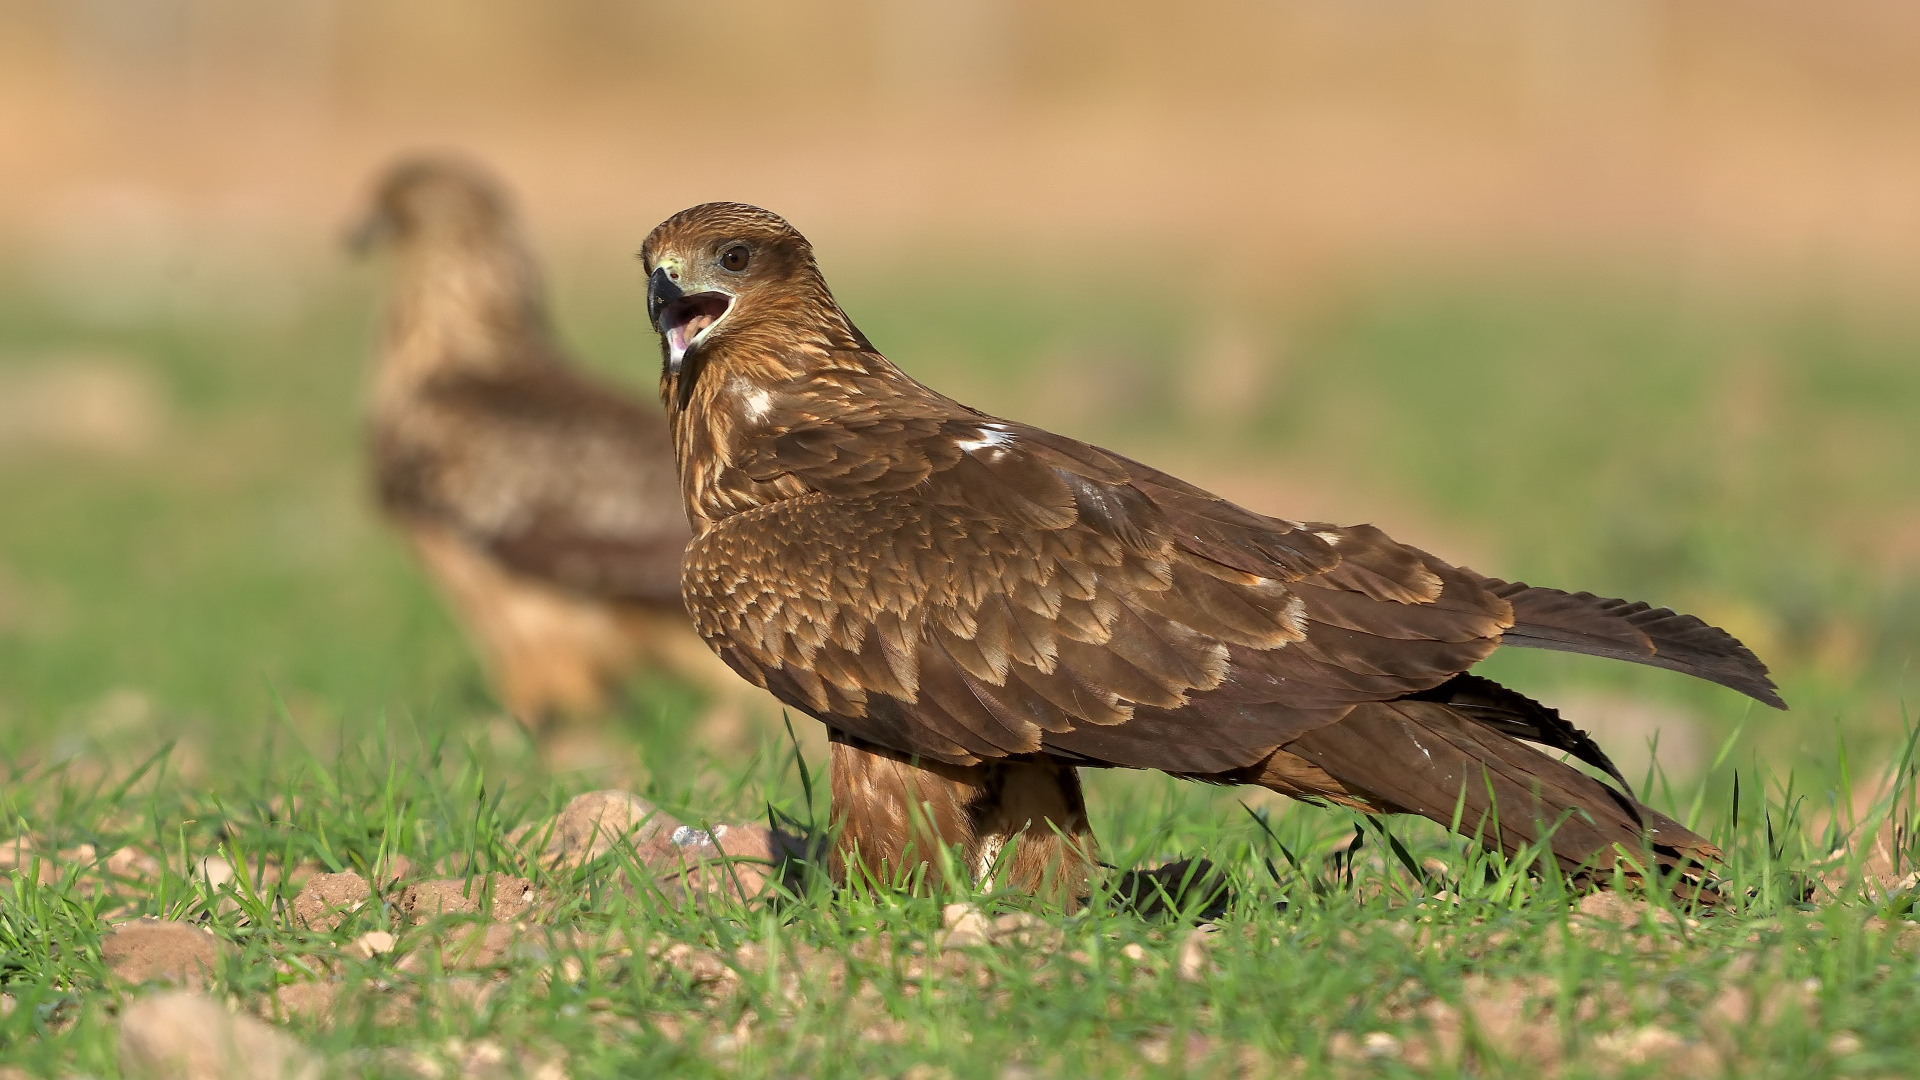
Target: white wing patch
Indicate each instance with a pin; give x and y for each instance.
(992, 436)
(755, 401)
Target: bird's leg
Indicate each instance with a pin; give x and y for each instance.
(1031, 818)
(892, 814)
(1026, 819)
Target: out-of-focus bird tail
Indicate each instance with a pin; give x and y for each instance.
(1437, 757)
(1633, 631)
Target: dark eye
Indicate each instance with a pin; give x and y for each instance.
(735, 258)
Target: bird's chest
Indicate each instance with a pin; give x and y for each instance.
(715, 477)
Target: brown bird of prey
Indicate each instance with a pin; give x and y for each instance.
(977, 608)
(542, 502)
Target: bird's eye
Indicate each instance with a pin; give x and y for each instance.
(734, 258)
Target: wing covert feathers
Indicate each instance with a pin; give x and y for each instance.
(1633, 631)
(1035, 597)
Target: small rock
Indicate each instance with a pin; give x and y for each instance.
(215, 870)
(733, 860)
(185, 1036)
(1379, 1045)
(501, 896)
(156, 950)
(701, 967)
(1132, 951)
(593, 824)
(373, 943)
(130, 862)
(327, 899)
(1611, 907)
(736, 861)
(1843, 1043)
(1193, 963)
(1020, 928)
(966, 927)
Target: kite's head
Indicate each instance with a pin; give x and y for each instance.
(728, 273)
(431, 199)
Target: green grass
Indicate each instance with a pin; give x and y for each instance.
(210, 648)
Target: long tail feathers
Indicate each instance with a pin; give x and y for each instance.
(1429, 757)
(1630, 630)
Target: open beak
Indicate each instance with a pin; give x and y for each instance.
(682, 318)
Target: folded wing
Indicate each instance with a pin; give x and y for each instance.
(558, 478)
(1026, 592)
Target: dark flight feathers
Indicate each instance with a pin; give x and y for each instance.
(1630, 630)
(1434, 759)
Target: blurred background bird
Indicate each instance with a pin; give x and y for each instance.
(542, 502)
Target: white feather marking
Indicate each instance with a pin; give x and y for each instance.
(758, 404)
(1332, 538)
(991, 436)
(1294, 616)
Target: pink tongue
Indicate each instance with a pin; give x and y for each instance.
(697, 324)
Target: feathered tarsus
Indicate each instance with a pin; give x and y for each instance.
(976, 607)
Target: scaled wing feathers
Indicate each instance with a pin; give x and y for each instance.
(963, 588)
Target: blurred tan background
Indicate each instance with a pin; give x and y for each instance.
(1731, 136)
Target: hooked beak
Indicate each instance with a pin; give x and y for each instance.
(367, 234)
(682, 318)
